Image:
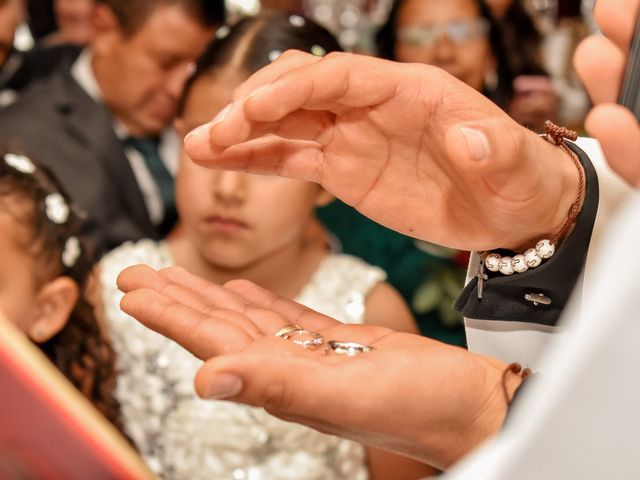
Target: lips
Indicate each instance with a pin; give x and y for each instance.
(226, 224)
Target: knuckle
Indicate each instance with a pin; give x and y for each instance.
(277, 397)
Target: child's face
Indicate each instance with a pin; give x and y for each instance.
(18, 288)
(237, 219)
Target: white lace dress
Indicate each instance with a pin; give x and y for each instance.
(184, 437)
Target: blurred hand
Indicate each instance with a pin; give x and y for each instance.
(411, 395)
(408, 145)
(600, 62)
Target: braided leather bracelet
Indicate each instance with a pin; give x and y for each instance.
(544, 248)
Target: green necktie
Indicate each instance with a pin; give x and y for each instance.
(149, 149)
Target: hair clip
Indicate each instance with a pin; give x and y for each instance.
(20, 163)
(222, 32)
(318, 51)
(297, 21)
(71, 252)
(274, 54)
(56, 208)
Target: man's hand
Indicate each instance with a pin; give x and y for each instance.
(411, 395)
(408, 145)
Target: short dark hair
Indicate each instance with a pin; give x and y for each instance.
(133, 13)
(257, 40)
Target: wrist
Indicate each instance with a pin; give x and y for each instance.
(491, 394)
(560, 180)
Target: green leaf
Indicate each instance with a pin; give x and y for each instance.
(427, 296)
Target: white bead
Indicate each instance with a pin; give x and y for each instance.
(505, 266)
(545, 248)
(518, 264)
(491, 262)
(531, 258)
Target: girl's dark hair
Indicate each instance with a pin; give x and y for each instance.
(386, 39)
(253, 42)
(80, 350)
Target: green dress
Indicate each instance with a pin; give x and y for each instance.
(429, 282)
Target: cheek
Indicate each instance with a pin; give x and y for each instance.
(193, 190)
(17, 304)
(284, 217)
(475, 56)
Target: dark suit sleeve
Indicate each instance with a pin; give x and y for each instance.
(503, 296)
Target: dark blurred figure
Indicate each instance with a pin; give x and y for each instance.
(11, 15)
(102, 119)
(534, 98)
(41, 18)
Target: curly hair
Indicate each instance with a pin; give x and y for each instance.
(80, 350)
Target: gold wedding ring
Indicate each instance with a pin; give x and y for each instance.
(287, 329)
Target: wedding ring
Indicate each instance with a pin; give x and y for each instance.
(351, 349)
(287, 329)
(300, 336)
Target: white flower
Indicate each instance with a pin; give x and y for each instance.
(297, 21)
(20, 162)
(56, 208)
(222, 32)
(71, 252)
(318, 51)
(274, 54)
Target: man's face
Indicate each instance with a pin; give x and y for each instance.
(141, 76)
(11, 14)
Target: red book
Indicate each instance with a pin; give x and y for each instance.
(48, 430)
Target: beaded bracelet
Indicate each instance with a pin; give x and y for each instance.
(544, 248)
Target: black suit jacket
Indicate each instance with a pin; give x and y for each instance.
(61, 126)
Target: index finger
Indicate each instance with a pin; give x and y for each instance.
(334, 83)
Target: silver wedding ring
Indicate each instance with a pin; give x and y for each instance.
(351, 349)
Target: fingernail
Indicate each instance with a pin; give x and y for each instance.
(477, 142)
(201, 134)
(221, 116)
(223, 385)
(198, 135)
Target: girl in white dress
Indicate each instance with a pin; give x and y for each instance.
(236, 225)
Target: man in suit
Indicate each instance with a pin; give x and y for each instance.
(101, 120)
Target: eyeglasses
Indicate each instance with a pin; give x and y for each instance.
(458, 32)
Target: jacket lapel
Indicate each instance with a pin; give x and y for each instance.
(91, 124)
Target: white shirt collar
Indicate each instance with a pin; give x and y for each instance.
(82, 72)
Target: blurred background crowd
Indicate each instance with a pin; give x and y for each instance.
(101, 92)
(517, 52)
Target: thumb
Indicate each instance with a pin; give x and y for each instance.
(302, 386)
(489, 145)
(507, 158)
